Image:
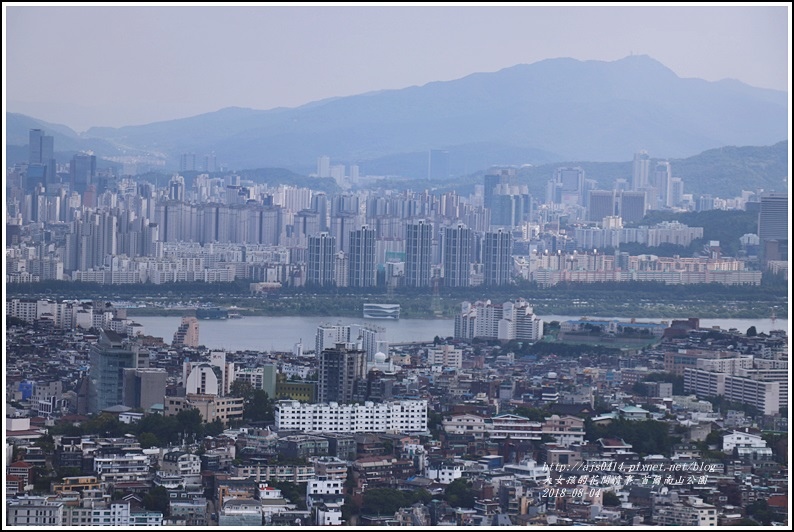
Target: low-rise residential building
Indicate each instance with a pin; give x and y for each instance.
(692, 512)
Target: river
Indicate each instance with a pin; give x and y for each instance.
(281, 333)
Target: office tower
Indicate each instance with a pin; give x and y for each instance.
(496, 255)
(631, 205)
(456, 255)
(144, 387)
(509, 207)
(324, 166)
(602, 204)
(662, 181)
(42, 168)
(109, 357)
(321, 269)
(640, 170)
(773, 223)
(339, 369)
(569, 183)
(418, 239)
(362, 272)
(437, 165)
(495, 177)
(82, 172)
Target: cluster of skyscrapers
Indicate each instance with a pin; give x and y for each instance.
(94, 226)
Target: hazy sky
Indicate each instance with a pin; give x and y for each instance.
(118, 65)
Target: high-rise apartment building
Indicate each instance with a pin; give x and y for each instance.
(362, 272)
(418, 240)
(663, 181)
(456, 255)
(321, 269)
(324, 166)
(339, 369)
(328, 336)
(640, 170)
(497, 257)
(82, 172)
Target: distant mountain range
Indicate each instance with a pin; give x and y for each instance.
(550, 111)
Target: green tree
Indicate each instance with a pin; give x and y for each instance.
(610, 499)
(148, 440)
(156, 500)
(190, 424)
(47, 444)
(751, 331)
(260, 407)
(459, 493)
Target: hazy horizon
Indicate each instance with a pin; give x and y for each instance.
(130, 65)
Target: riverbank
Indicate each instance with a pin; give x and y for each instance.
(315, 308)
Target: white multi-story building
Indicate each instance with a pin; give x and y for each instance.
(465, 424)
(446, 356)
(123, 468)
(512, 320)
(693, 512)
(444, 472)
(514, 427)
(33, 511)
(394, 416)
(184, 465)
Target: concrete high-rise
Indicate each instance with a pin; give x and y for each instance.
(601, 205)
(109, 357)
(321, 269)
(324, 166)
(41, 161)
(456, 255)
(569, 184)
(496, 255)
(773, 220)
(362, 271)
(631, 205)
(82, 171)
(418, 240)
(339, 369)
(640, 170)
(144, 387)
(663, 181)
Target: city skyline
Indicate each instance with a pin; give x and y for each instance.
(170, 44)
